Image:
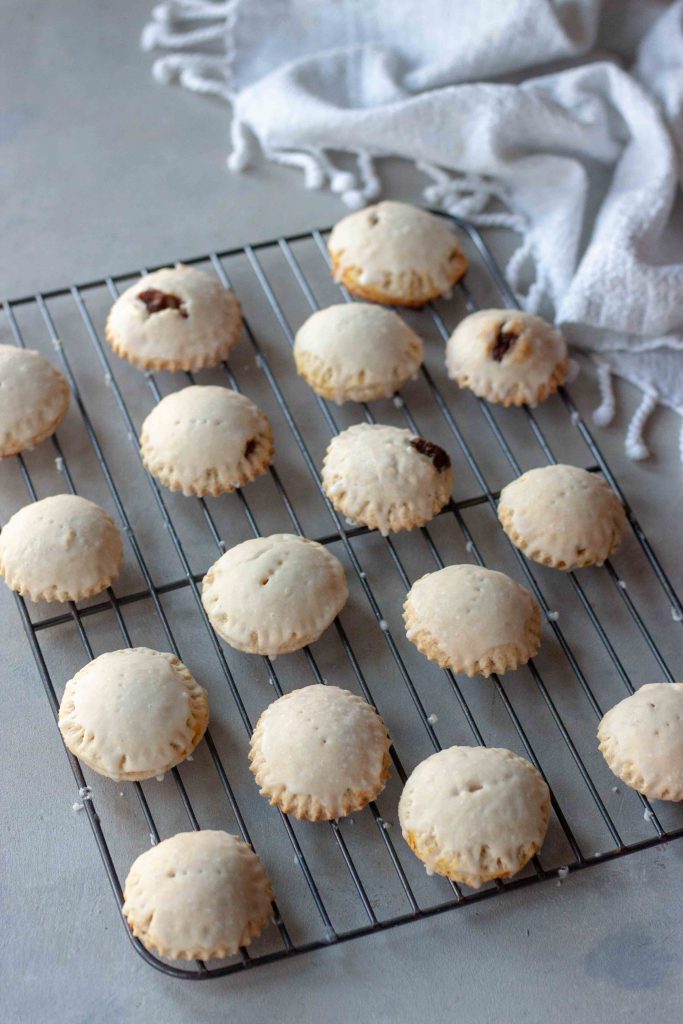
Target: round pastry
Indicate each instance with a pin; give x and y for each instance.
(133, 714)
(320, 753)
(474, 813)
(386, 478)
(62, 548)
(641, 738)
(356, 352)
(34, 399)
(395, 253)
(272, 595)
(507, 356)
(197, 895)
(472, 620)
(206, 440)
(178, 318)
(562, 516)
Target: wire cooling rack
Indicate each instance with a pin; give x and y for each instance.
(607, 630)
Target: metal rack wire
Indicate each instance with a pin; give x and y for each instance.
(413, 898)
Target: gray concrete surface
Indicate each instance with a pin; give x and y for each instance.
(101, 170)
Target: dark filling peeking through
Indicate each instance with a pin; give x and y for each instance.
(505, 340)
(250, 448)
(156, 300)
(432, 451)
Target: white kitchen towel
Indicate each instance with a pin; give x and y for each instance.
(561, 119)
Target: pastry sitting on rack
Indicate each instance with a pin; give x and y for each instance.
(472, 620)
(641, 738)
(386, 478)
(273, 595)
(133, 714)
(475, 813)
(197, 896)
(206, 440)
(63, 548)
(177, 318)
(396, 253)
(320, 753)
(507, 356)
(356, 352)
(562, 516)
(35, 399)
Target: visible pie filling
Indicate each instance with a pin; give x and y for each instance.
(505, 340)
(250, 448)
(156, 300)
(438, 456)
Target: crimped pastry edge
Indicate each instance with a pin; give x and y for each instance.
(516, 394)
(199, 707)
(629, 773)
(408, 296)
(50, 595)
(354, 388)
(507, 657)
(219, 483)
(198, 361)
(252, 929)
(47, 431)
(305, 807)
(269, 644)
(399, 517)
(544, 557)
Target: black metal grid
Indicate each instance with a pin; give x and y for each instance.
(346, 535)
